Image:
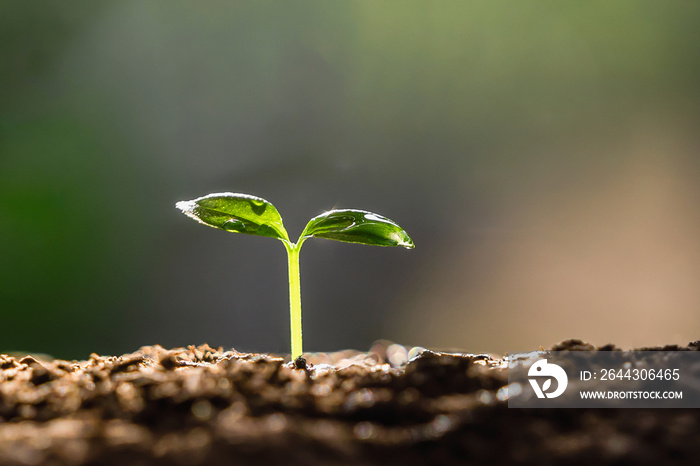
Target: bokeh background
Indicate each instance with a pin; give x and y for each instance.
(544, 156)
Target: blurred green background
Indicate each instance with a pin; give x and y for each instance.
(544, 156)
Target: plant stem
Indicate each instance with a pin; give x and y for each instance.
(294, 298)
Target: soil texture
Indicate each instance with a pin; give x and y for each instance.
(393, 405)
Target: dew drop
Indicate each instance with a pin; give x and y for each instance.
(258, 206)
(234, 225)
(414, 352)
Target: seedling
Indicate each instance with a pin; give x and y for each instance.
(243, 213)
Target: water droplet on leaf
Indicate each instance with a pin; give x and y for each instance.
(235, 226)
(258, 206)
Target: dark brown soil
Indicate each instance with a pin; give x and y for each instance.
(206, 406)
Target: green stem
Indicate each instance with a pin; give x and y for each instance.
(294, 297)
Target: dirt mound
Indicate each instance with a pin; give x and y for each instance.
(201, 405)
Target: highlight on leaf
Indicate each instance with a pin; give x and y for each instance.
(357, 226)
(237, 213)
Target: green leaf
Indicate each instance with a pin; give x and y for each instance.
(238, 213)
(357, 226)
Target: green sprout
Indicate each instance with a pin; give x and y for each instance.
(243, 213)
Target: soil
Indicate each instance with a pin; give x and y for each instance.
(200, 405)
